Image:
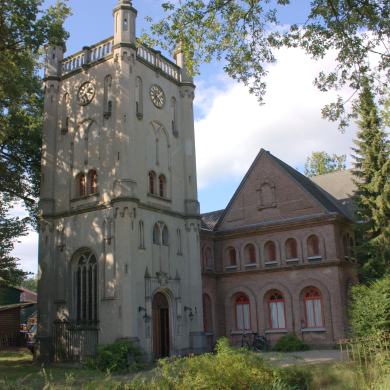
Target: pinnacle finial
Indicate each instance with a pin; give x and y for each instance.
(124, 2)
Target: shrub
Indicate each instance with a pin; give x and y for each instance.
(290, 343)
(370, 308)
(295, 377)
(113, 357)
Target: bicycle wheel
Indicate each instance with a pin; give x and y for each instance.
(243, 344)
(260, 345)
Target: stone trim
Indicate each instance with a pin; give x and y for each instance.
(241, 332)
(313, 330)
(276, 330)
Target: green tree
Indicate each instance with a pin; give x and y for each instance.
(372, 197)
(25, 29)
(246, 33)
(31, 283)
(320, 163)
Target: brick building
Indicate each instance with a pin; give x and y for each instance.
(277, 259)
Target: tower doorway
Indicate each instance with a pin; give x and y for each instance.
(160, 326)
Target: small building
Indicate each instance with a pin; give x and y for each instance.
(277, 260)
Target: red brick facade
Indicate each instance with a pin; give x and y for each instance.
(274, 205)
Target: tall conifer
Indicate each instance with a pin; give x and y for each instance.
(372, 196)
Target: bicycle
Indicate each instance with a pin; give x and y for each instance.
(259, 343)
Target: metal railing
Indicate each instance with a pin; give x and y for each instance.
(75, 341)
(366, 358)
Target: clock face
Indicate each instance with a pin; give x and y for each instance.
(157, 96)
(86, 93)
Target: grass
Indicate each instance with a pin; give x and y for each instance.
(16, 366)
(18, 372)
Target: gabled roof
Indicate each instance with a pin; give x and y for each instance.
(16, 306)
(27, 295)
(209, 220)
(323, 199)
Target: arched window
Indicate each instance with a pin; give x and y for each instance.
(276, 311)
(232, 257)
(345, 248)
(151, 182)
(250, 254)
(243, 320)
(165, 236)
(65, 116)
(291, 249)
(161, 185)
(313, 306)
(313, 244)
(270, 251)
(81, 185)
(351, 249)
(156, 235)
(86, 287)
(93, 182)
(174, 121)
(141, 234)
(209, 258)
(178, 241)
(107, 101)
(138, 98)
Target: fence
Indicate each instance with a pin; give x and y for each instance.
(9, 340)
(75, 341)
(366, 358)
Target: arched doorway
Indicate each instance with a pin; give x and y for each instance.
(160, 326)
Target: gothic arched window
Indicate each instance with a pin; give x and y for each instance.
(165, 236)
(86, 287)
(161, 186)
(93, 182)
(81, 185)
(156, 235)
(151, 182)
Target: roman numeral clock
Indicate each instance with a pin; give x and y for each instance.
(157, 95)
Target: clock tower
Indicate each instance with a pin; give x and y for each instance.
(118, 216)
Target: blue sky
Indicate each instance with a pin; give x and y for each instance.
(230, 127)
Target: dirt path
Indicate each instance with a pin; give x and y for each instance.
(306, 357)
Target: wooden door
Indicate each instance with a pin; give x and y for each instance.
(160, 326)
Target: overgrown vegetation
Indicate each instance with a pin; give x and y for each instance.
(321, 163)
(370, 308)
(290, 343)
(114, 357)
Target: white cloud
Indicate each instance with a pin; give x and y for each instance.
(27, 252)
(290, 126)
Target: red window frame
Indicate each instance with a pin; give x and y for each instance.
(243, 300)
(311, 295)
(151, 183)
(293, 249)
(252, 254)
(81, 185)
(271, 247)
(233, 257)
(276, 300)
(93, 182)
(204, 316)
(315, 246)
(161, 186)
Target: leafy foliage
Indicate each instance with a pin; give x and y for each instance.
(113, 357)
(320, 163)
(372, 197)
(31, 283)
(370, 308)
(25, 30)
(246, 33)
(229, 368)
(290, 343)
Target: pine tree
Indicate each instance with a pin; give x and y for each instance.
(372, 196)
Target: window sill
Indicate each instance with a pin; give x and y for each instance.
(209, 268)
(209, 333)
(313, 330)
(241, 332)
(276, 331)
(85, 197)
(291, 260)
(159, 198)
(271, 263)
(250, 265)
(231, 267)
(179, 253)
(84, 201)
(313, 258)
